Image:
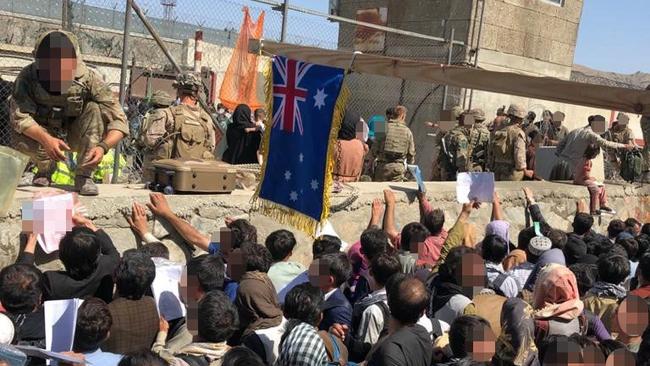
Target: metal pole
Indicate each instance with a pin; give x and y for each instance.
(449, 56)
(65, 8)
(478, 48)
(125, 64)
(285, 16)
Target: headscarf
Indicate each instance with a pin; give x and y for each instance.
(348, 129)
(242, 146)
(444, 291)
(550, 256)
(516, 343)
(499, 228)
(241, 117)
(556, 294)
(515, 258)
(257, 303)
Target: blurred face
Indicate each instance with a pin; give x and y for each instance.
(236, 265)
(319, 275)
(472, 274)
(557, 123)
(191, 294)
(631, 316)
(57, 72)
(482, 346)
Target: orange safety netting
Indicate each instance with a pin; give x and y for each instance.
(240, 81)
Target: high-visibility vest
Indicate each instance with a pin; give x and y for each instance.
(64, 173)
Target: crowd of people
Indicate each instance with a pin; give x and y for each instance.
(429, 293)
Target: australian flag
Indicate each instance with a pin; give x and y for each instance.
(295, 173)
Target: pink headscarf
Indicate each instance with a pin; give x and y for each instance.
(556, 294)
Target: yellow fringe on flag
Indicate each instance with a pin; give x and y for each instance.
(276, 211)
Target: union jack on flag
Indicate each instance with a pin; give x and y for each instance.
(295, 173)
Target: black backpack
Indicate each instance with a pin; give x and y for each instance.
(632, 165)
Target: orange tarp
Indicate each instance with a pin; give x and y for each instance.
(240, 81)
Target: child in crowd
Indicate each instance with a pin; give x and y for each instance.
(597, 195)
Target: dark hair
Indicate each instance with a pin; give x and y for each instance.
(383, 267)
(494, 249)
(143, 357)
(575, 249)
(20, 288)
(524, 237)
(258, 112)
(326, 244)
(94, 321)
(242, 231)
(631, 222)
(615, 227)
(643, 268)
(434, 221)
(558, 238)
(631, 247)
(591, 151)
(613, 268)
(407, 300)
(598, 244)
(241, 356)
(339, 267)
(586, 276)
(56, 44)
(608, 346)
(453, 262)
(155, 250)
(413, 232)
(219, 317)
(551, 353)
(303, 303)
(256, 257)
(79, 252)
(373, 243)
(582, 223)
(280, 243)
(391, 113)
(134, 275)
(209, 270)
(644, 243)
(461, 333)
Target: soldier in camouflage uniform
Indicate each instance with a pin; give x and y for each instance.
(440, 163)
(160, 100)
(183, 131)
(479, 140)
(394, 149)
(507, 153)
(622, 134)
(456, 143)
(59, 105)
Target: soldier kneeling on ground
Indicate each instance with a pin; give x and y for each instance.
(60, 105)
(183, 131)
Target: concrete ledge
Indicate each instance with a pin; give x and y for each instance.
(350, 216)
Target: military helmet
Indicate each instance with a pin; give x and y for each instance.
(161, 98)
(188, 81)
(456, 111)
(479, 114)
(622, 119)
(517, 111)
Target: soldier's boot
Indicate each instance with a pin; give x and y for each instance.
(85, 186)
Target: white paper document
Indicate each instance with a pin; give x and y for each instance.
(165, 289)
(474, 186)
(60, 323)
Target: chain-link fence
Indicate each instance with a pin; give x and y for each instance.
(99, 24)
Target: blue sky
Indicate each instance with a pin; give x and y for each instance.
(615, 35)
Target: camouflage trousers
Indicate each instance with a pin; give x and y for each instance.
(390, 172)
(81, 134)
(504, 172)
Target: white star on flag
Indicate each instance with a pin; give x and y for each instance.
(301, 157)
(320, 98)
(314, 184)
(287, 175)
(293, 196)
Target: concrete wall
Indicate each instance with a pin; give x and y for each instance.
(207, 212)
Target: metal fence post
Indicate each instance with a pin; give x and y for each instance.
(125, 61)
(285, 16)
(449, 56)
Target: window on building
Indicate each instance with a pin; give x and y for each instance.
(555, 2)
